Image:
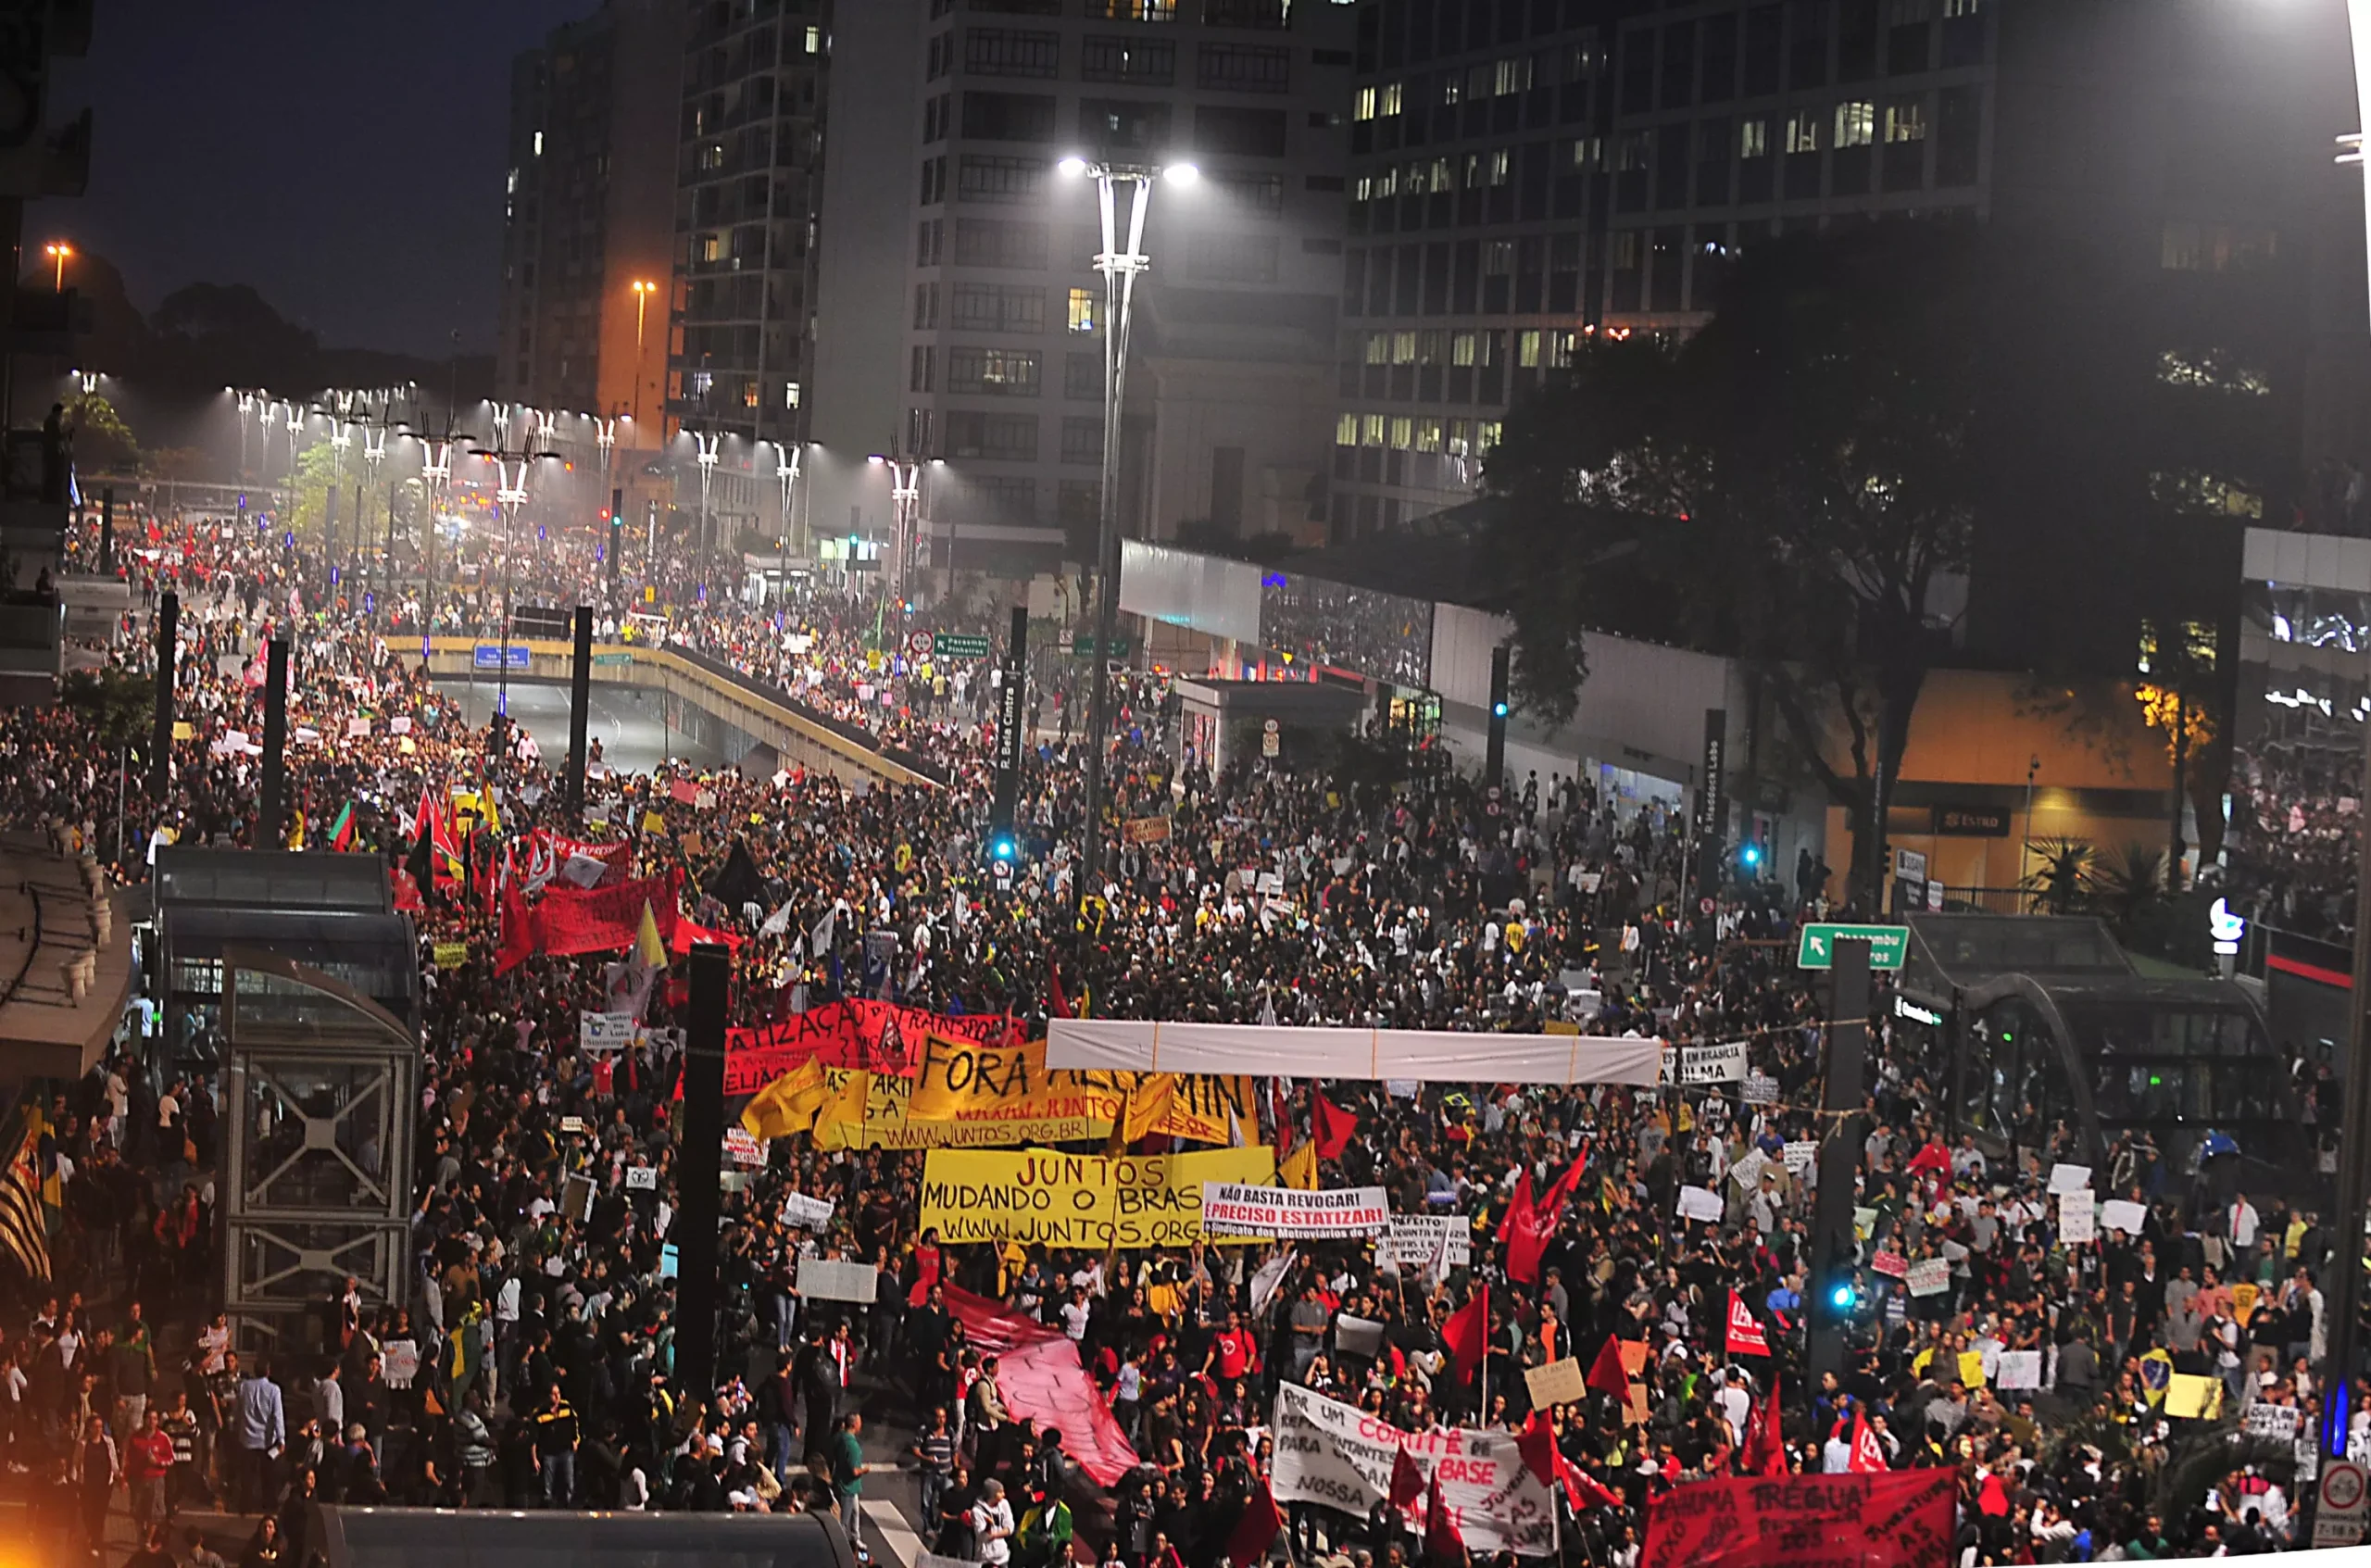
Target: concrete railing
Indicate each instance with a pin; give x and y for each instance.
(800, 736)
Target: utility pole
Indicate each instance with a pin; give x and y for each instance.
(1835, 1296)
(2341, 1281)
(580, 710)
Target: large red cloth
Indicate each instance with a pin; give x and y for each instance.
(606, 918)
(879, 1036)
(1528, 1229)
(1467, 1332)
(1333, 1125)
(1899, 1519)
(1040, 1377)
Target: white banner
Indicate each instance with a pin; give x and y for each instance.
(828, 1279)
(1229, 1209)
(1433, 1055)
(807, 1213)
(1338, 1457)
(606, 1031)
(1415, 1240)
(1712, 1064)
(1761, 1089)
(1928, 1276)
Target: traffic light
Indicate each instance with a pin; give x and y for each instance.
(1004, 846)
(1749, 857)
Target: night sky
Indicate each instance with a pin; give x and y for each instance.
(343, 156)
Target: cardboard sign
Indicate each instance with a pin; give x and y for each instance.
(833, 1280)
(1699, 1203)
(642, 1178)
(2077, 1218)
(2070, 1178)
(2277, 1421)
(576, 1197)
(807, 1213)
(1928, 1276)
(1761, 1089)
(2122, 1214)
(1893, 1265)
(1355, 1335)
(1415, 1240)
(1800, 1154)
(399, 1363)
(742, 1149)
(2193, 1398)
(601, 1033)
(1558, 1382)
(2019, 1369)
(450, 954)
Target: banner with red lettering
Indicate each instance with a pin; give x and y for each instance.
(879, 1036)
(605, 918)
(1039, 1375)
(1341, 1457)
(1896, 1519)
(574, 862)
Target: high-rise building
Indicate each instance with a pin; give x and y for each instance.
(1527, 174)
(748, 185)
(588, 202)
(1003, 359)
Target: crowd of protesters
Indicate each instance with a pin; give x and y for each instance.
(533, 1361)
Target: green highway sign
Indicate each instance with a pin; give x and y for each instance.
(1889, 945)
(960, 645)
(612, 659)
(1084, 648)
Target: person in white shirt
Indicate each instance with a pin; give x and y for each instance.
(992, 1524)
(2243, 1221)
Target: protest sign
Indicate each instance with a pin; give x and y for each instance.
(399, 1362)
(1355, 1335)
(1145, 829)
(1893, 1265)
(2069, 1178)
(1340, 1457)
(2193, 1396)
(642, 1178)
(829, 1279)
(576, 1197)
(450, 954)
(2278, 1422)
(1415, 1240)
(2077, 1218)
(1761, 1089)
(1928, 1276)
(1747, 1172)
(807, 1213)
(1881, 1520)
(601, 1033)
(1800, 1154)
(2121, 1214)
(1558, 1382)
(2019, 1369)
(1712, 1064)
(1699, 1203)
(742, 1149)
(1035, 1196)
(1232, 1209)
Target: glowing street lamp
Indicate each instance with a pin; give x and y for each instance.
(643, 290)
(58, 251)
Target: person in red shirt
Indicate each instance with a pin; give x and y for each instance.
(147, 1460)
(1235, 1353)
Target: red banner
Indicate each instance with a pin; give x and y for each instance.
(1039, 1375)
(881, 1037)
(1899, 1519)
(605, 918)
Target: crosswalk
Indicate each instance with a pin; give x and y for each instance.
(888, 1536)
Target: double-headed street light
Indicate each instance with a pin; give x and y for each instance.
(643, 290)
(1119, 266)
(58, 251)
(905, 502)
(707, 448)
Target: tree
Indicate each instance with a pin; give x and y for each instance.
(1785, 487)
(114, 705)
(103, 442)
(318, 472)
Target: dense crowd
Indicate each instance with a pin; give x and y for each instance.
(2061, 1382)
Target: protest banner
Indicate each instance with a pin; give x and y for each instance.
(450, 954)
(1761, 1089)
(1231, 1208)
(1341, 1051)
(2277, 1421)
(1558, 1382)
(1340, 1457)
(1145, 829)
(601, 919)
(829, 1279)
(1899, 1519)
(1041, 1197)
(399, 1362)
(807, 1213)
(1043, 1382)
(1415, 1240)
(1800, 1154)
(742, 1149)
(1355, 1335)
(1928, 1276)
(1701, 1065)
(604, 1032)
(878, 1036)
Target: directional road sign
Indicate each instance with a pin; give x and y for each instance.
(1889, 945)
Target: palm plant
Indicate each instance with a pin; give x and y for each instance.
(2056, 885)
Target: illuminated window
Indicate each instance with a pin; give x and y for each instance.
(1363, 107)
(1346, 429)
(2217, 247)
(1753, 138)
(1561, 346)
(1403, 433)
(1370, 430)
(1428, 435)
(1452, 87)
(1512, 76)
(1431, 344)
(1461, 348)
(1856, 124)
(1403, 348)
(1802, 132)
(814, 39)
(1378, 348)
(1528, 348)
(1082, 311)
(1906, 121)
(1461, 437)
(1588, 154)
(539, 144)
(1388, 101)
(1501, 166)
(1486, 435)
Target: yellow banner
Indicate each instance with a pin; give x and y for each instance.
(968, 1096)
(1037, 1197)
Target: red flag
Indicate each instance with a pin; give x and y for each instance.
(1868, 1454)
(1537, 1442)
(1406, 1480)
(1765, 1444)
(519, 934)
(1584, 1490)
(1468, 1331)
(1441, 1535)
(1528, 1228)
(1256, 1530)
(1746, 1337)
(1567, 1184)
(1057, 1005)
(1607, 1374)
(1333, 1125)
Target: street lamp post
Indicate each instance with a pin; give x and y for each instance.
(246, 407)
(510, 494)
(296, 417)
(435, 467)
(58, 251)
(1119, 266)
(786, 458)
(643, 290)
(707, 446)
(340, 443)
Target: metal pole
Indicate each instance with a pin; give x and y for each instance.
(702, 1154)
(106, 531)
(580, 708)
(2341, 1281)
(275, 744)
(1839, 1154)
(160, 743)
(1119, 270)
